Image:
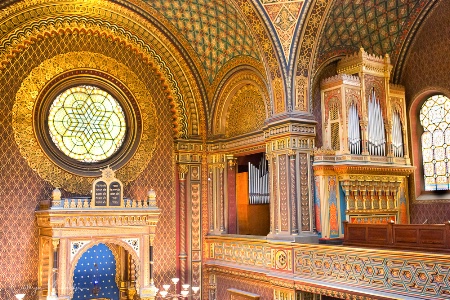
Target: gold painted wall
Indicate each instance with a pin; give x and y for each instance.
(22, 188)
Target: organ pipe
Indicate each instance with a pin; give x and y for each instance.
(397, 136)
(377, 138)
(258, 183)
(354, 133)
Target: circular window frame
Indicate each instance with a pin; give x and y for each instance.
(110, 85)
(76, 64)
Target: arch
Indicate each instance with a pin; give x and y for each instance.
(108, 242)
(229, 88)
(147, 41)
(416, 133)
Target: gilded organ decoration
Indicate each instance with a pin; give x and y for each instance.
(246, 112)
(368, 112)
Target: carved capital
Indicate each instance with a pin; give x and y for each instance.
(292, 153)
(182, 171)
(55, 243)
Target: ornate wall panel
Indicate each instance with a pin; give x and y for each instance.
(246, 112)
(100, 19)
(224, 282)
(24, 112)
(24, 188)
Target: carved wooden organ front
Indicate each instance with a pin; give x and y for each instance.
(361, 170)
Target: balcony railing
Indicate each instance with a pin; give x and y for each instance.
(424, 237)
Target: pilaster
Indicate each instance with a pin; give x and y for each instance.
(289, 144)
(189, 155)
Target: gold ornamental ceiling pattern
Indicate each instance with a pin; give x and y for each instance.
(24, 106)
(25, 22)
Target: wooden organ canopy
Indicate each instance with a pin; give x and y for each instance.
(68, 227)
(361, 170)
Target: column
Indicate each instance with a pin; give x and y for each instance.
(288, 151)
(182, 172)
(221, 189)
(148, 292)
(123, 273)
(231, 194)
(293, 191)
(53, 267)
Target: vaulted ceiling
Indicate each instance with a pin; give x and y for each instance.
(279, 36)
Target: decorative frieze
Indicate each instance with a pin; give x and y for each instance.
(331, 270)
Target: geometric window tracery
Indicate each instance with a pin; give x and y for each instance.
(86, 123)
(435, 119)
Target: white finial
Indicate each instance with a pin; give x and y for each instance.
(56, 196)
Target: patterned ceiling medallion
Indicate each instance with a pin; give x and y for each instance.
(107, 88)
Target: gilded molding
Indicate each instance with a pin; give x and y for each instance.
(226, 93)
(246, 112)
(25, 29)
(22, 120)
(237, 62)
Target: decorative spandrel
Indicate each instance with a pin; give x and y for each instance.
(107, 191)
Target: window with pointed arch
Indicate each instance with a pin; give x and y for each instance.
(435, 139)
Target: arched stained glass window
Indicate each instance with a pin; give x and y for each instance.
(435, 119)
(87, 124)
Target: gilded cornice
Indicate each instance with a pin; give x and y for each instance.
(243, 144)
(238, 273)
(358, 169)
(96, 218)
(24, 22)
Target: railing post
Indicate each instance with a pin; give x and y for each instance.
(390, 232)
(346, 231)
(447, 235)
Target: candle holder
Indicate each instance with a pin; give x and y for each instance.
(166, 291)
